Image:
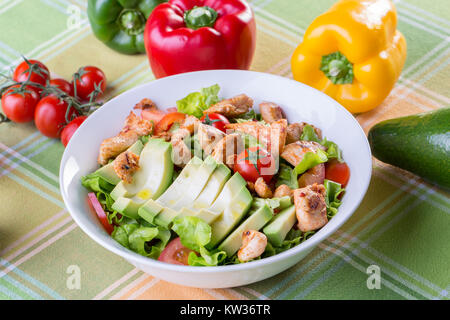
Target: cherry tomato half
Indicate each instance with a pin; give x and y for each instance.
(40, 73)
(167, 121)
(19, 105)
(70, 129)
(216, 120)
(50, 116)
(337, 171)
(175, 253)
(86, 79)
(63, 85)
(255, 162)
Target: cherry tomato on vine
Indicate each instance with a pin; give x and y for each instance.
(70, 128)
(168, 120)
(19, 104)
(255, 162)
(175, 253)
(87, 79)
(50, 116)
(39, 72)
(63, 85)
(216, 120)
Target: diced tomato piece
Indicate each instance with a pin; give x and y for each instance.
(167, 121)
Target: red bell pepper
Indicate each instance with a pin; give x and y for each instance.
(191, 35)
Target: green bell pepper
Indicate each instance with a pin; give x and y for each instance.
(120, 24)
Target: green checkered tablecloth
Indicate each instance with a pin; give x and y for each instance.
(402, 227)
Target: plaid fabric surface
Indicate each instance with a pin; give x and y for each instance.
(402, 226)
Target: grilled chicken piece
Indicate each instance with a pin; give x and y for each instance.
(314, 175)
(233, 107)
(125, 165)
(273, 135)
(208, 137)
(253, 245)
(134, 128)
(270, 112)
(295, 130)
(181, 154)
(294, 152)
(191, 123)
(262, 189)
(146, 104)
(310, 207)
(283, 191)
(226, 150)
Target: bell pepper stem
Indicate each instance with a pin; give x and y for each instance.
(337, 68)
(199, 17)
(131, 21)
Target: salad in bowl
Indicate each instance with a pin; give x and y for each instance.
(213, 182)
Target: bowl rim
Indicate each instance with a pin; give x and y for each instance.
(304, 246)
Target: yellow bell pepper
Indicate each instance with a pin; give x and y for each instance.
(353, 52)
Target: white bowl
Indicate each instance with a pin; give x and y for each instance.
(299, 102)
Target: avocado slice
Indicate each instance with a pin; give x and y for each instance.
(155, 173)
(212, 189)
(255, 221)
(153, 177)
(234, 211)
(149, 210)
(120, 191)
(127, 207)
(172, 195)
(278, 228)
(196, 184)
(205, 215)
(108, 173)
(181, 183)
(231, 188)
(165, 217)
(417, 143)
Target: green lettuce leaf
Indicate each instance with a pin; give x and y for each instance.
(251, 115)
(206, 258)
(145, 240)
(287, 176)
(311, 159)
(309, 134)
(96, 183)
(333, 151)
(333, 190)
(122, 232)
(195, 234)
(138, 238)
(272, 203)
(196, 102)
(102, 189)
